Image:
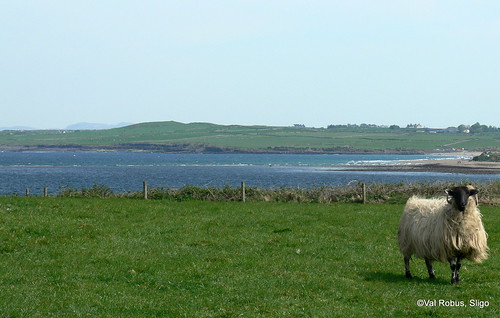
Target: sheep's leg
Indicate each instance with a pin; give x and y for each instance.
(428, 262)
(455, 268)
(407, 267)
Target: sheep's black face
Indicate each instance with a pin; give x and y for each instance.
(461, 196)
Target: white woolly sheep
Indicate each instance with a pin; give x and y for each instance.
(444, 230)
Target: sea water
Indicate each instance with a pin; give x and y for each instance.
(125, 171)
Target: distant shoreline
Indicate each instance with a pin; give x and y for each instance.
(190, 148)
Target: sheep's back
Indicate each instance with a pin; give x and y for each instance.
(421, 229)
(417, 207)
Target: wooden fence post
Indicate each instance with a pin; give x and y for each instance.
(27, 192)
(145, 189)
(364, 192)
(45, 192)
(243, 194)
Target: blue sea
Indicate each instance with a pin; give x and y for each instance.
(126, 171)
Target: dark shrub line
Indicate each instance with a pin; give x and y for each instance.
(375, 193)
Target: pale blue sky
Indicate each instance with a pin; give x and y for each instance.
(275, 62)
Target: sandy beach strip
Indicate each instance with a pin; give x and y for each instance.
(462, 166)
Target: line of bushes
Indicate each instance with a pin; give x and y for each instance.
(375, 193)
(488, 157)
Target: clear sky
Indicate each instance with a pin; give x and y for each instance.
(272, 62)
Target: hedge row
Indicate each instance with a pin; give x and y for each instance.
(375, 193)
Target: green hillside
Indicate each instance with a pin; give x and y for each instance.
(205, 137)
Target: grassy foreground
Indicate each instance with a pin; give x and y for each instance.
(75, 257)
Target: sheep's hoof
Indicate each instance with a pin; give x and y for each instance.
(408, 275)
(432, 276)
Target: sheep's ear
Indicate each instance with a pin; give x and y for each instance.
(449, 195)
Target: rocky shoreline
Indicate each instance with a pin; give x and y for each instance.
(198, 148)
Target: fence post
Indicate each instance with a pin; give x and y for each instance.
(243, 194)
(45, 192)
(145, 189)
(364, 192)
(27, 192)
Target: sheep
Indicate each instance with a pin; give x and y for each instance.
(444, 230)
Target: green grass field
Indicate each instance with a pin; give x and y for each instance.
(253, 138)
(89, 257)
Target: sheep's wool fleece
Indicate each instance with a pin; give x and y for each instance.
(436, 230)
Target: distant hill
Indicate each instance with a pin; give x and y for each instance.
(170, 136)
(95, 126)
(17, 128)
(77, 126)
